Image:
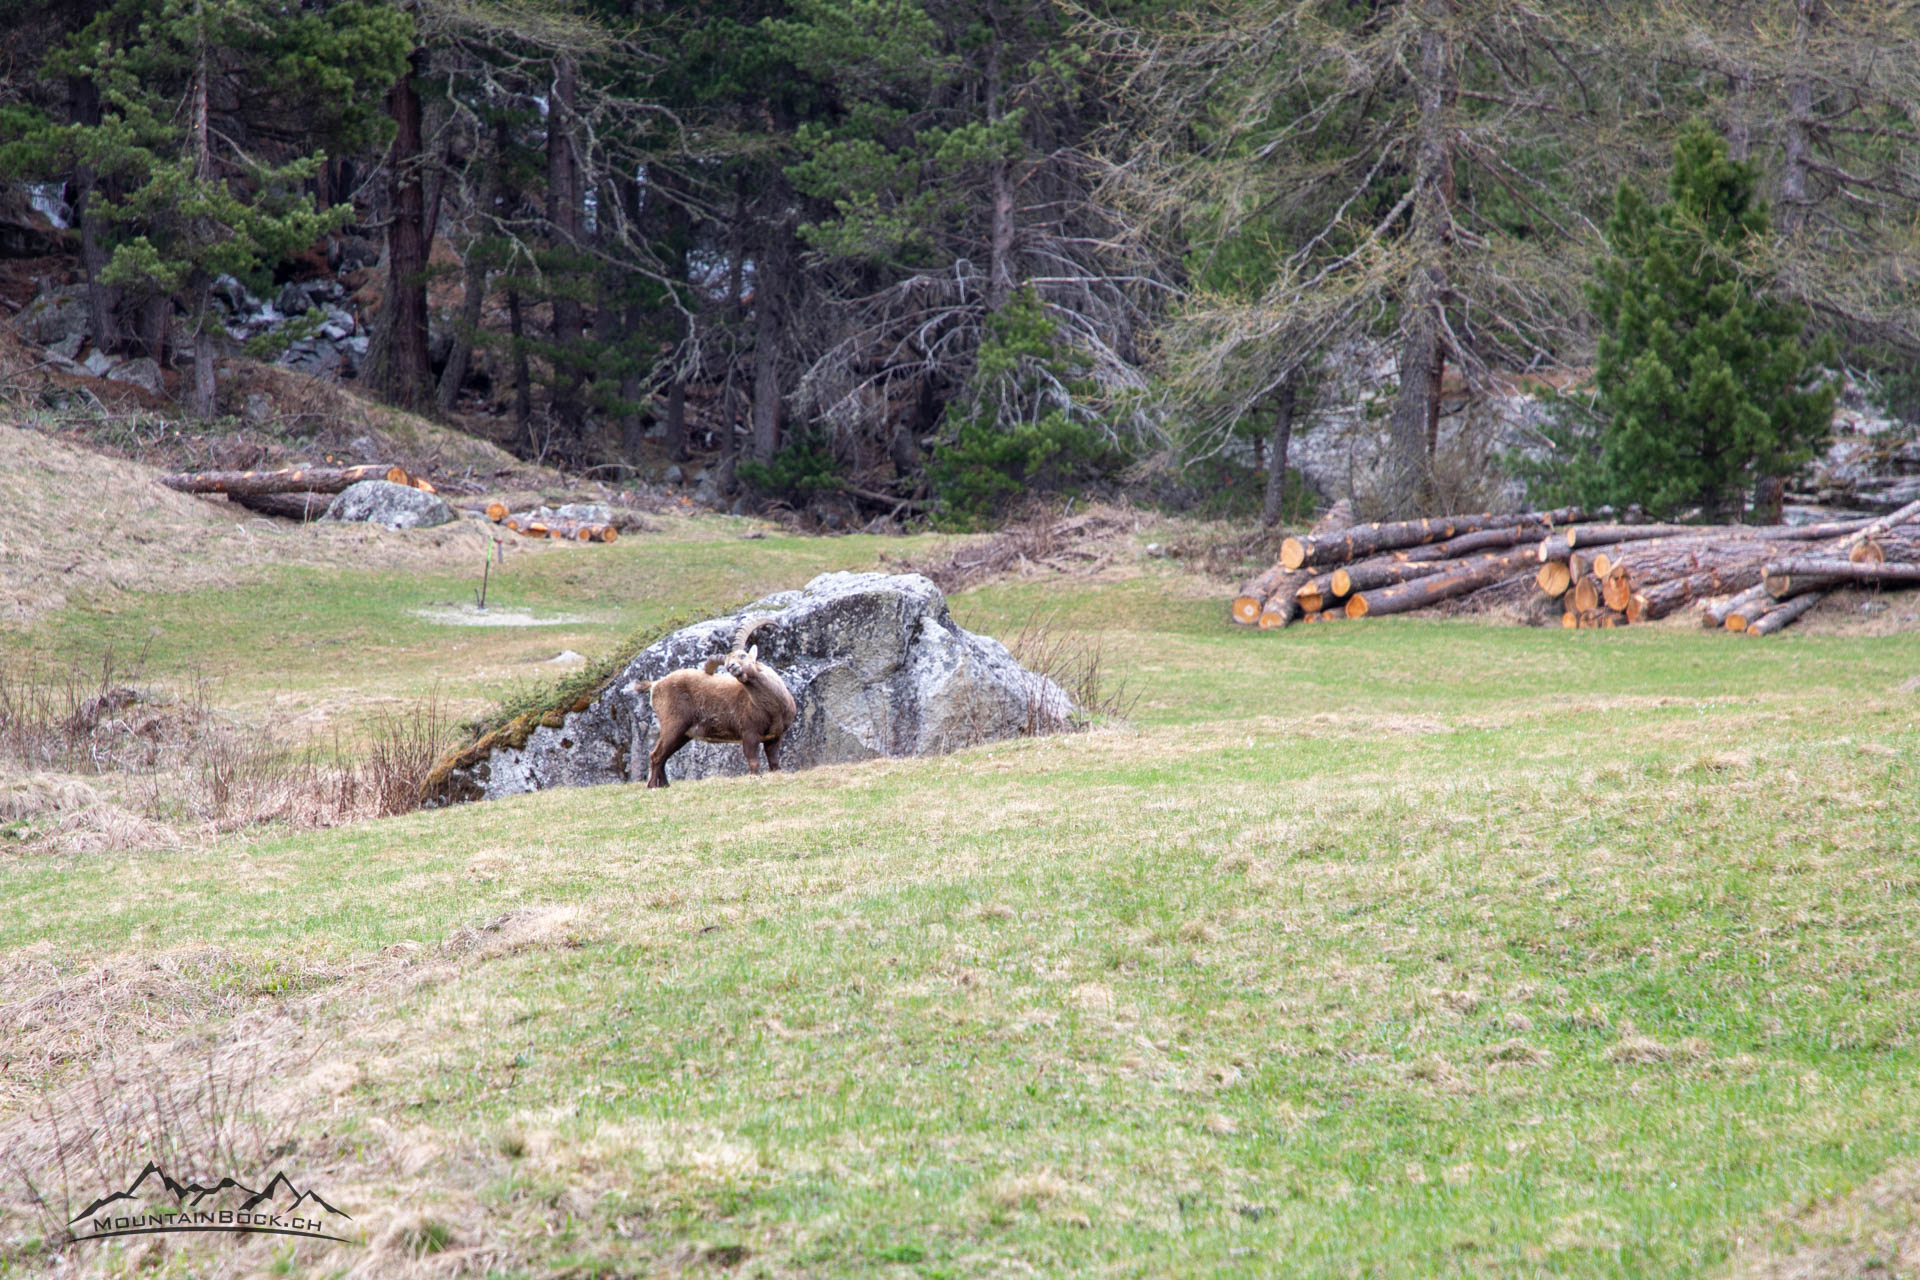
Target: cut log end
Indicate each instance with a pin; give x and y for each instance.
(1868, 553)
(1342, 583)
(1293, 553)
(497, 511)
(1271, 620)
(1356, 607)
(1554, 578)
(1246, 610)
(398, 475)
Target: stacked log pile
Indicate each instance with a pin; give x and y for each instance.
(1586, 571)
(292, 493)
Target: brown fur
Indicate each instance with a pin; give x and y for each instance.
(746, 703)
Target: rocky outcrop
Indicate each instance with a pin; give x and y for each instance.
(393, 506)
(875, 662)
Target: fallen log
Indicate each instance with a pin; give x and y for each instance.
(497, 511)
(1252, 603)
(1369, 539)
(1780, 615)
(291, 480)
(304, 507)
(1662, 598)
(1282, 605)
(1369, 574)
(1457, 579)
(1794, 576)
(1721, 613)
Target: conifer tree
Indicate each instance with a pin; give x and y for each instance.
(1703, 380)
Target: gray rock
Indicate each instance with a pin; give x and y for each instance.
(707, 492)
(875, 662)
(394, 506)
(97, 363)
(293, 299)
(675, 475)
(258, 408)
(234, 295)
(142, 372)
(56, 316)
(586, 512)
(68, 348)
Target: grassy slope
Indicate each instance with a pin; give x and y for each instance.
(1402, 949)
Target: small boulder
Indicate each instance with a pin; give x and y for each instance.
(56, 315)
(143, 372)
(97, 363)
(392, 506)
(675, 475)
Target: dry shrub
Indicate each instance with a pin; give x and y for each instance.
(1076, 661)
(1038, 538)
(170, 759)
(215, 1121)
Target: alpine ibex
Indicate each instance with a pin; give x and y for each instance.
(746, 703)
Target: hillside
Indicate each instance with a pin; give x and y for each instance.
(1320, 974)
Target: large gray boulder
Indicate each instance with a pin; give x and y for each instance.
(396, 506)
(875, 662)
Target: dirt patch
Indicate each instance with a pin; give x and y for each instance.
(468, 616)
(1873, 1232)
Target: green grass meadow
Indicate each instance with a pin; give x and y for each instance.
(1392, 949)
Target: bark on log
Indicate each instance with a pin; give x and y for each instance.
(1798, 575)
(292, 480)
(1457, 579)
(1378, 572)
(1781, 615)
(304, 507)
(1370, 539)
(1662, 598)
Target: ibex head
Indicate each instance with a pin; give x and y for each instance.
(743, 664)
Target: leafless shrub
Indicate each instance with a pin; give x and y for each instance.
(1077, 662)
(1039, 538)
(83, 1143)
(171, 758)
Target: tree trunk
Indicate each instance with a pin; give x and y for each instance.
(1000, 273)
(1794, 201)
(1781, 615)
(205, 391)
(522, 375)
(289, 480)
(473, 297)
(1790, 577)
(103, 300)
(563, 212)
(304, 507)
(1414, 426)
(766, 356)
(1282, 440)
(405, 375)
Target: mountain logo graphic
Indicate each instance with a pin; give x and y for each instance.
(279, 1208)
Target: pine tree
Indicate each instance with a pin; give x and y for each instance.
(1702, 379)
(185, 193)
